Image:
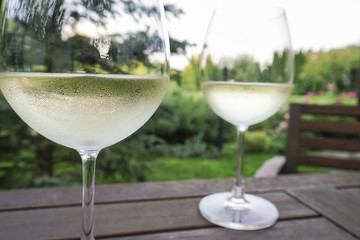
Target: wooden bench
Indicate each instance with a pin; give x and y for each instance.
(319, 135)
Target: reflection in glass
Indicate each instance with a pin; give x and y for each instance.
(85, 74)
(247, 74)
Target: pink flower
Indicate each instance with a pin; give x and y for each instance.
(310, 94)
(331, 86)
(351, 95)
(320, 93)
(286, 116)
(283, 125)
(306, 100)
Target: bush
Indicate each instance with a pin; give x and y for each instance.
(128, 160)
(184, 115)
(255, 141)
(276, 143)
(183, 126)
(229, 149)
(193, 147)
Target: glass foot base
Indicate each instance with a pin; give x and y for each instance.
(256, 213)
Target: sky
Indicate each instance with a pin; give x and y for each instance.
(314, 24)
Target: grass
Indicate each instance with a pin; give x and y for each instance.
(167, 169)
(174, 169)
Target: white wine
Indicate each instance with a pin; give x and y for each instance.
(245, 104)
(84, 111)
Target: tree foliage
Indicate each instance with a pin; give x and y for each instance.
(337, 66)
(313, 70)
(40, 35)
(33, 42)
(183, 125)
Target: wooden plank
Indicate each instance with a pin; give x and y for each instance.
(340, 207)
(329, 109)
(354, 191)
(293, 140)
(124, 218)
(330, 144)
(330, 127)
(288, 207)
(328, 161)
(317, 228)
(304, 181)
(112, 193)
(298, 125)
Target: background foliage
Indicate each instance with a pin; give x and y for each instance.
(184, 127)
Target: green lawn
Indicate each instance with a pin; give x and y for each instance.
(167, 169)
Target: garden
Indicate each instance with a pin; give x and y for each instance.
(184, 139)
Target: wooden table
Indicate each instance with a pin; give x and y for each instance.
(312, 206)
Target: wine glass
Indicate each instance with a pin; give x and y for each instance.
(84, 74)
(247, 75)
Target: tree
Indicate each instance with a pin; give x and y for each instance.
(40, 24)
(246, 69)
(190, 76)
(211, 71)
(338, 66)
(34, 29)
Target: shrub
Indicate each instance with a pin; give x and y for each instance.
(183, 115)
(229, 149)
(255, 141)
(193, 147)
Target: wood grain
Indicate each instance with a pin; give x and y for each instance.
(330, 143)
(339, 135)
(117, 193)
(124, 218)
(354, 191)
(310, 229)
(341, 207)
(169, 210)
(329, 161)
(330, 127)
(292, 140)
(330, 109)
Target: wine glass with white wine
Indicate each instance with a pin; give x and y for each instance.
(247, 76)
(84, 74)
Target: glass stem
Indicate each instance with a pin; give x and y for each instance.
(88, 158)
(239, 187)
